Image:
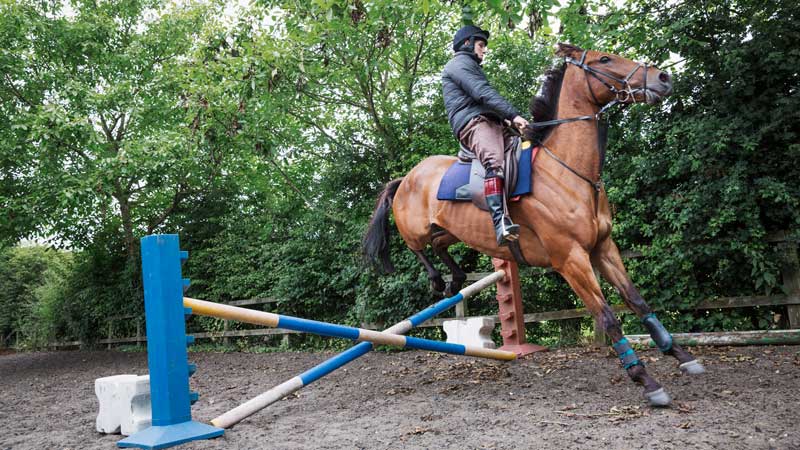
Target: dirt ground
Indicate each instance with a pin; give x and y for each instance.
(572, 398)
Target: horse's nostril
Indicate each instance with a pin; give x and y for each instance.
(664, 77)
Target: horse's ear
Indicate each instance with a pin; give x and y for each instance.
(570, 50)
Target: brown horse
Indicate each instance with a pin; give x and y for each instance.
(566, 222)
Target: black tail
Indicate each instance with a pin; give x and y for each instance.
(375, 245)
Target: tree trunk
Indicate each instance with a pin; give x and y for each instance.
(123, 198)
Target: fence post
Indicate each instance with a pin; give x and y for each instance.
(225, 327)
(791, 280)
(110, 332)
(461, 309)
(599, 334)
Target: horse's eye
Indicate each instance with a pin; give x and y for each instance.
(605, 59)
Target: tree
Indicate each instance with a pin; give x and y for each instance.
(97, 112)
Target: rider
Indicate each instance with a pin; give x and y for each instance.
(477, 113)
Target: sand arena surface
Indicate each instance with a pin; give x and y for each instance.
(570, 398)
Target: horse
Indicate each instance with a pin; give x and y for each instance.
(565, 223)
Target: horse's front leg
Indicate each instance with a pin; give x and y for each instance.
(576, 268)
(607, 260)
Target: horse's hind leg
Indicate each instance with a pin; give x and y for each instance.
(441, 241)
(437, 283)
(607, 260)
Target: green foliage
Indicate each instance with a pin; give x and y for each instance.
(49, 295)
(101, 127)
(263, 137)
(700, 183)
(28, 278)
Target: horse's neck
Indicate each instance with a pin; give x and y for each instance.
(576, 142)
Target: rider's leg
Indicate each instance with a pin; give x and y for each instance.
(493, 188)
(486, 138)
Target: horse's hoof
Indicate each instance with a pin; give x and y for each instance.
(659, 397)
(452, 289)
(437, 286)
(692, 368)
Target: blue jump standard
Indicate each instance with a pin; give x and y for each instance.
(167, 357)
(157, 437)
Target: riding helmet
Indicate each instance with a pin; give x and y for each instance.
(470, 32)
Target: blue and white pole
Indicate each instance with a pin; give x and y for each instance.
(228, 312)
(260, 402)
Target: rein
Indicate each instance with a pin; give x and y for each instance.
(624, 95)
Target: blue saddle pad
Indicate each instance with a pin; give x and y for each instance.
(458, 175)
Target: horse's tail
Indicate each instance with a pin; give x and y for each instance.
(375, 245)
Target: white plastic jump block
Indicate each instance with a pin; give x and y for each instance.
(476, 331)
(124, 403)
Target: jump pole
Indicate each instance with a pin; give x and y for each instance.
(167, 340)
(228, 312)
(280, 391)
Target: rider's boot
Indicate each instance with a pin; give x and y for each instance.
(505, 230)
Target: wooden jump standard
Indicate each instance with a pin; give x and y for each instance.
(167, 357)
(280, 391)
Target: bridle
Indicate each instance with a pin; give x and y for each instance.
(624, 95)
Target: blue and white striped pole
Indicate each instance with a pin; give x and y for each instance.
(219, 310)
(260, 402)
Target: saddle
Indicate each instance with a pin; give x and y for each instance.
(463, 181)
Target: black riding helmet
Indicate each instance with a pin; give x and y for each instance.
(472, 33)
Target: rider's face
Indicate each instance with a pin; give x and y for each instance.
(480, 49)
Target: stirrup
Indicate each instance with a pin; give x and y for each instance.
(510, 232)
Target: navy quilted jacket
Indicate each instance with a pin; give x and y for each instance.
(467, 93)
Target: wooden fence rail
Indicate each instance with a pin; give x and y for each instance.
(225, 334)
(790, 271)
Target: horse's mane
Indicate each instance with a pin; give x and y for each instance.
(544, 106)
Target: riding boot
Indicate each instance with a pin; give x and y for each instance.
(505, 230)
